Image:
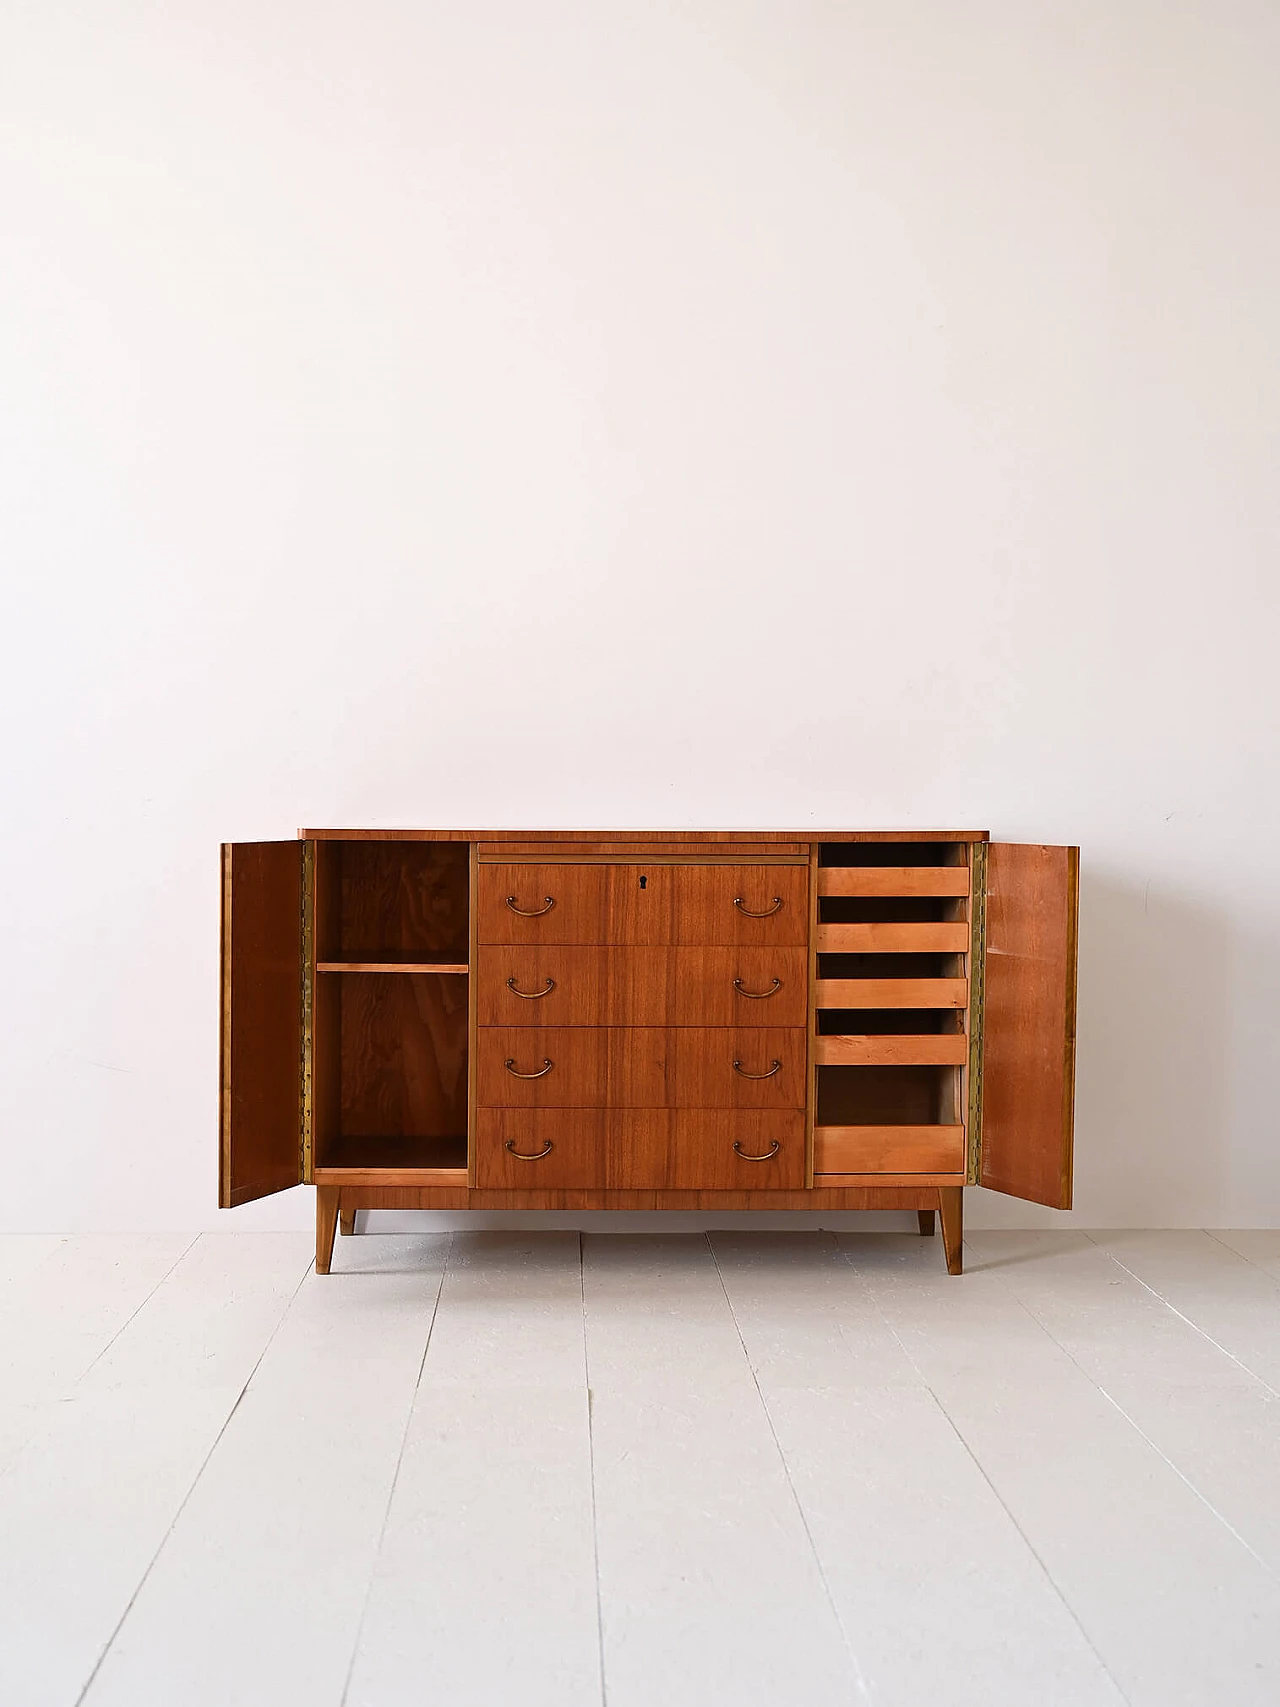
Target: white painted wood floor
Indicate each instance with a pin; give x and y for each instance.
(509, 1470)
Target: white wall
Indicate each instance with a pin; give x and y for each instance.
(779, 412)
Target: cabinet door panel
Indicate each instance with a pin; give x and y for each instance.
(260, 1090)
(1028, 1077)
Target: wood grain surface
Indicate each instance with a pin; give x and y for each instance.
(1028, 1076)
(260, 1089)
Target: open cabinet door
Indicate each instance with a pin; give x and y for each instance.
(260, 1103)
(1029, 1022)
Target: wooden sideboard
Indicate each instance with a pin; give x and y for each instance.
(449, 1019)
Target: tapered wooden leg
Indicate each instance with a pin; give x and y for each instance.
(346, 1222)
(925, 1218)
(951, 1208)
(326, 1225)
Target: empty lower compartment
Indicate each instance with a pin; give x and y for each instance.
(887, 1096)
(889, 1118)
(389, 1071)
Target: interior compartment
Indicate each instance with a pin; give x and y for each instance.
(389, 1075)
(890, 909)
(890, 966)
(897, 1022)
(888, 1096)
(893, 853)
(392, 902)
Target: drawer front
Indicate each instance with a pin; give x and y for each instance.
(750, 905)
(637, 904)
(640, 1067)
(564, 985)
(639, 1149)
(738, 1150)
(538, 1149)
(888, 1149)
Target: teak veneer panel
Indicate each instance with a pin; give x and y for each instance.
(892, 992)
(888, 1149)
(885, 937)
(893, 1049)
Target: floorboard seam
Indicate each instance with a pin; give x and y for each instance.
(181, 1257)
(591, 1468)
(1027, 1542)
(395, 1477)
(195, 1481)
(1140, 1431)
(859, 1676)
(1235, 1253)
(1183, 1317)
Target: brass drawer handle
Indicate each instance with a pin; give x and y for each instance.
(537, 912)
(739, 1068)
(768, 912)
(746, 1155)
(527, 1155)
(531, 995)
(757, 995)
(510, 1065)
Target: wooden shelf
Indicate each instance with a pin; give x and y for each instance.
(892, 992)
(374, 1155)
(888, 1149)
(392, 966)
(892, 1049)
(913, 936)
(894, 881)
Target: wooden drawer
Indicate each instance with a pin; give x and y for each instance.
(636, 986)
(640, 1067)
(888, 1149)
(749, 905)
(637, 904)
(884, 937)
(893, 881)
(539, 1149)
(639, 1149)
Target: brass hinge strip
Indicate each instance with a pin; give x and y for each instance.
(977, 998)
(308, 958)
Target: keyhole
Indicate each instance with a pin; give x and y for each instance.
(644, 882)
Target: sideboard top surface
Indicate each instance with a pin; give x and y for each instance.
(658, 837)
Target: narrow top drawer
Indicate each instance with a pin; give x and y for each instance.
(636, 903)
